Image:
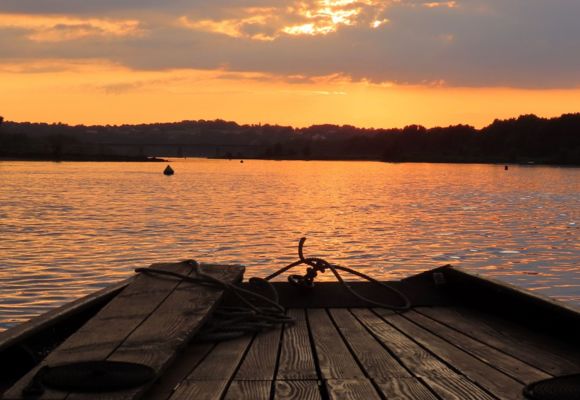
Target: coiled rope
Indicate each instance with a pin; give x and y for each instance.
(258, 312)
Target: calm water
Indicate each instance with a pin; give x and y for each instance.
(67, 229)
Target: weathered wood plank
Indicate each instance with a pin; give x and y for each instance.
(507, 364)
(92, 342)
(222, 362)
(259, 364)
(249, 390)
(458, 389)
(486, 376)
(303, 390)
(200, 390)
(186, 362)
(37, 325)
(376, 361)
(543, 352)
(148, 322)
(296, 358)
(334, 358)
(405, 389)
(418, 360)
(351, 389)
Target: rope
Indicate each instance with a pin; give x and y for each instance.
(320, 265)
(231, 322)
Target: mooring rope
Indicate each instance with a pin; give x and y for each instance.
(320, 265)
(259, 312)
(231, 322)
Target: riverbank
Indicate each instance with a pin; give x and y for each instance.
(82, 158)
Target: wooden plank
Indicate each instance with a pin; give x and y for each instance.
(554, 357)
(259, 364)
(459, 389)
(486, 376)
(303, 390)
(351, 389)
(222, 362)
(200, 390)
(405, 389)
(334, 358)
(376, 361)
(147, 323)
(249, 390)
(186, 362)
(507, 364)
(44, 322)
(296, 358)
(418, 360)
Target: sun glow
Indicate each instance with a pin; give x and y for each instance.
(311, 18)
(100, 92)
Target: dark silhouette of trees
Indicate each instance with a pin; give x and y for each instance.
(525, 139)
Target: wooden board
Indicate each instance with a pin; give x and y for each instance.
(291, 390)
(148, 322)
(351, 389)
(509, 365)
(249, 390)
(555, 357)
(296, 358)
(260, 361)
(377, 362)
(405, 389)
(485, 375)
(188, 360)
(334, 358)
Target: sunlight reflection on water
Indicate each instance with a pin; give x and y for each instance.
(67, 229)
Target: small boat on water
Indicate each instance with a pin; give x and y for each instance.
(442, 334)
(168, 171)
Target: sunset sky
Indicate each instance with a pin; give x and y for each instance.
(367, 63)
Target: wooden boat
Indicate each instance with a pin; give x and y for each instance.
(466, 337)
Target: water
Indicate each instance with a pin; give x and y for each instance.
(67, 229)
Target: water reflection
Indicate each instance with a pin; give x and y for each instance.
(67, 229)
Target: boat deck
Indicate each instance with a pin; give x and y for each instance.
(465, 338)
(362, 353)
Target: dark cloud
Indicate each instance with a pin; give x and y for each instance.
(512, 43)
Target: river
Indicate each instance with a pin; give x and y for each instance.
(67, 229)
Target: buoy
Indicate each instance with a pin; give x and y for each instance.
(505, 168)
(241, 161)
(168, 171)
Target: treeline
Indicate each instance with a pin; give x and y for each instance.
(523, 140)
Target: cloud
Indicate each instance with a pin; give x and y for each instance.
(63, 28)
(511, 43)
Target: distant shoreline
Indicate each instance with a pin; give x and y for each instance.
(361, 159)
(83, 159)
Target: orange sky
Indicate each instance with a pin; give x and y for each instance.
(367, 63)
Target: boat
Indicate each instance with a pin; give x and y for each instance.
(446, 333)
(168, 171)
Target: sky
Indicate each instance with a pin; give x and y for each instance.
(367, 63)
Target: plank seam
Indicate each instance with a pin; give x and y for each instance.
(322, 388)
(470, 352)
(384, 345)
(449, 365)
(354, 356)
(484, 343)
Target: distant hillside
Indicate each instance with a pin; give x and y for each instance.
(524, 139)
